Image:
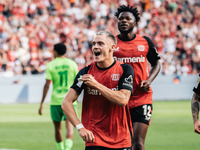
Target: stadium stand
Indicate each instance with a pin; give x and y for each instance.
(29, 28)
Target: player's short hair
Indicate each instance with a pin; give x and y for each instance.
(108, 34)
(130, 9)
(60, 48)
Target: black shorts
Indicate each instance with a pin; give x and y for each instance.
(104, 148)
(142, 114)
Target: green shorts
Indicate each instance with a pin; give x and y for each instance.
(57, 113)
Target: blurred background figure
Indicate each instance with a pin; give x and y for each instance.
(62, 72)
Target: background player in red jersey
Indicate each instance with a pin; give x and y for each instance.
(195, 104)
(135, 50)
(107, 84)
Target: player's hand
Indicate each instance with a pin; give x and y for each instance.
(86, 135)
(145, 85)
(89, 80)
(197, 127)
(40, 110)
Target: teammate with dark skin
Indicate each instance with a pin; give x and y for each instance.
(127, 21)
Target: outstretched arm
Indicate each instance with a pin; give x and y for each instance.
(195, 104)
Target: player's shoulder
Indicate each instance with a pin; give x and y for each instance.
(86, 69)
(71, 61)
(147, 38)
(126, 67)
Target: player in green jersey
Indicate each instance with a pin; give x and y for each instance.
(62, 72)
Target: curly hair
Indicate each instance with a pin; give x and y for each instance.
(130, 9)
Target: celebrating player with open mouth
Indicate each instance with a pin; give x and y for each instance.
(107, 84)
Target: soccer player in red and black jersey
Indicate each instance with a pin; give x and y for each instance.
(136, 50)
(107, 84)
(195, 105)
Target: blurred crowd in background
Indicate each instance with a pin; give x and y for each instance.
(30, 28)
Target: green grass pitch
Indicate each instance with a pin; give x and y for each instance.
(22, 128)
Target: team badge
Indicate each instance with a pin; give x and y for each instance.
(115, 77)
(141, 48)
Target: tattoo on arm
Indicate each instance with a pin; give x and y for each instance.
(195, 104)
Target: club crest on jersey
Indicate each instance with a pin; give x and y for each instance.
(115, 77)
(116, 49)
(141, 48)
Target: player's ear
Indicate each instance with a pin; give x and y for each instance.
(112, 48)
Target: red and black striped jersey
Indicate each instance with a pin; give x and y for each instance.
(110, 123)
(136, 52)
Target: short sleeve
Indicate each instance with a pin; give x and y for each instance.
(48, 75)
(126, 80)
(152, 55)
(78, 85)
(196, 89)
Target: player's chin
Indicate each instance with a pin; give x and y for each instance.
(125, 30)
(97, 59)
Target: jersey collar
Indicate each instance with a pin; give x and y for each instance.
(107, 67)
(134, 36)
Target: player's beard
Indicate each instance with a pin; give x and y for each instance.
(125, 31)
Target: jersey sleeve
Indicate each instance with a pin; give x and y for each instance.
(78, 85)
(196, 89)
(126, 80)
(152, 55)
(48, 73)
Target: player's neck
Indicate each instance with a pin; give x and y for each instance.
(105, 64)
(127, 36)
(60, 56)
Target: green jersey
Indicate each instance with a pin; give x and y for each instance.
(62, 72)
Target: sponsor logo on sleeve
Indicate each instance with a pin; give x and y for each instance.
(198, 80)
(79, 84)
(128, 81)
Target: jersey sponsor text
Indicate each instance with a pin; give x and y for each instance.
(130, 59)
(96, 92)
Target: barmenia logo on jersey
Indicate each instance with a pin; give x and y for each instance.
(115, 77)
(92, 91)
(130, 59)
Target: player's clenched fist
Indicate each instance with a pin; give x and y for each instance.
(86, 135)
